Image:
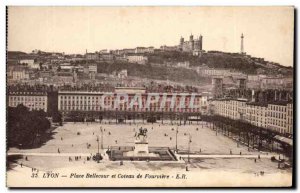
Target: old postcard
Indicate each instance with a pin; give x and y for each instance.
(150, 96)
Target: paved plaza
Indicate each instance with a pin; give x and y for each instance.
(80, 139)
(73, 139)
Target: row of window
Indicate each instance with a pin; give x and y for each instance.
(93, 108)
(27, 104)
(112, 103)
(110, 97)
(23, 98)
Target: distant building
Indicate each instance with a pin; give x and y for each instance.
(122, 74)
(273, 116)
(256, 114)
(127, 51)
(105, 51)
(139, 59)
(92, 56)
(65, 77)
(256, 77)
(168, 48)
(69, 101)
(79, 69)
(143, 50)
(185, 64)
(19, 73)
(107, 56)
(198, 52)
(92, 71)
(32, 99)
(29, 62)
(66, 67)
(93, 68)
(206, 71)
(121, 58)
(217, 87)
(280, 117)
(191, 45)
(276, 83)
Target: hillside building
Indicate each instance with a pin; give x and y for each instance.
(191, 45)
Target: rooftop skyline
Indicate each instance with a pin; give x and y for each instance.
(268, 32)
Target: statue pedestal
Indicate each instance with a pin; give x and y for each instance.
(141, 149)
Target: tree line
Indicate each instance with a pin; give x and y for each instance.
(25, 128)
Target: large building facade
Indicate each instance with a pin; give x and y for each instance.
(274, 116)
(132, 102)
(191, 45)
(34, 100)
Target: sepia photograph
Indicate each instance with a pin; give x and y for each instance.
(150, 96)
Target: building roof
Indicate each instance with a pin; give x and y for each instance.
(28, 93)
(284, 140)
(281, 103)
(261, 104)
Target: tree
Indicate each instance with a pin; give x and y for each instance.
(24, 126)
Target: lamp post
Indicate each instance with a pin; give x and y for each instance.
(97, 157)
(101, 137)
(176, 139)
(189, 147)
(98, 144)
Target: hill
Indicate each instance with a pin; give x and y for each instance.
(216, 59)
(153, 72)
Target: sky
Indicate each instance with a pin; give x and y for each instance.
(268, 31)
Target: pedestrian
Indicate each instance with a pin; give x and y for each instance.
(58, 151)
(240, 153)
(230, 152)
(21, 165)
(255, 160)
(26, 158)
